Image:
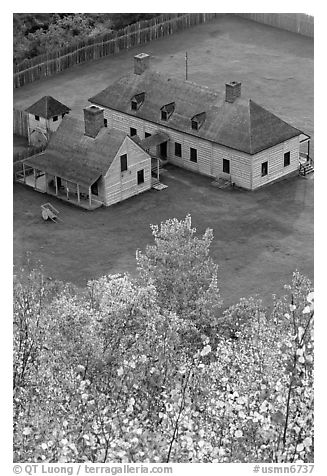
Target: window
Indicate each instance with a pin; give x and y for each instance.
(197, 121)
(167, 110)
(123, 162)
(226, 166)
(137, 101)
(193, 155)
(147, 134)
(105, 122)
(37, 118)
(55, 118)
(133, 132)
(264, 169)
(194, 125)
(140, 177)
(178, 149)
(287, 159)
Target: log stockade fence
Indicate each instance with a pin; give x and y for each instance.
(20, 123)
(108, 44)
(138, 34)
(300, 23)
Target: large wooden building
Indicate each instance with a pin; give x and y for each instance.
(88, 164)
(44, 117)
(222, 135)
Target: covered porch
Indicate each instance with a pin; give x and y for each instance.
(156, 146)
(31, 173)
(306, 163)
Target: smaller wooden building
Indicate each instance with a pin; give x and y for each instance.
(89, 164)
(44, 117)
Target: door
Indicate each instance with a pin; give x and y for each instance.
(163, 150)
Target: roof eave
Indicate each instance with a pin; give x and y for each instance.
(261, 149)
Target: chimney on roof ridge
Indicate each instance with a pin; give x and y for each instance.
(141, 63)
(233, 91)
(93, 120)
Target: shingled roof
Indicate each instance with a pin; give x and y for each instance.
(74, 156)
(242, 125)
(48, 107)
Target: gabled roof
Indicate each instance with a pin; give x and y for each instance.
(242, 125)
(155, 139)
(48, 107)
(76, 157)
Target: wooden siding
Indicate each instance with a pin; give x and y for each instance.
(44, 126)
(239, 163)
(275, 158)
(119, 185)
(209, 156)
(245, 170)
(53, 126)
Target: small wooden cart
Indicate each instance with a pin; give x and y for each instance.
(49, 212)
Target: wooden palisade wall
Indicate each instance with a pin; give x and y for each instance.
(300, 23)
(108, 44)
(20, 123)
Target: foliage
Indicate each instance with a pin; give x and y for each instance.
(186, 278)
(40, 33)
(106, 374)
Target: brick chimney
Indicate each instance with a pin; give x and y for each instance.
(233, 91)
(93, 120)
(141, 63)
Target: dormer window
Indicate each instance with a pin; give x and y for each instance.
(167, 110)
(197, 121)
(137, 101)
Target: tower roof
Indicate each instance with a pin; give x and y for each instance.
(48, 107)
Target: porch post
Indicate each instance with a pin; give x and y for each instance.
(56, 184)
(158, 168)
(308, 149)
(46, 182)
(78, 195)
(24, 172)
(90, 198)
(67, 190)
(34, 172)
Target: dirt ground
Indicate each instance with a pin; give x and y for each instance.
(260, 237)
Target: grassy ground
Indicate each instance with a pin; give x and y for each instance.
(260, 237)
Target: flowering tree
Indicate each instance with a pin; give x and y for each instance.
(253, 400)
(110, 373)
(185, 277)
